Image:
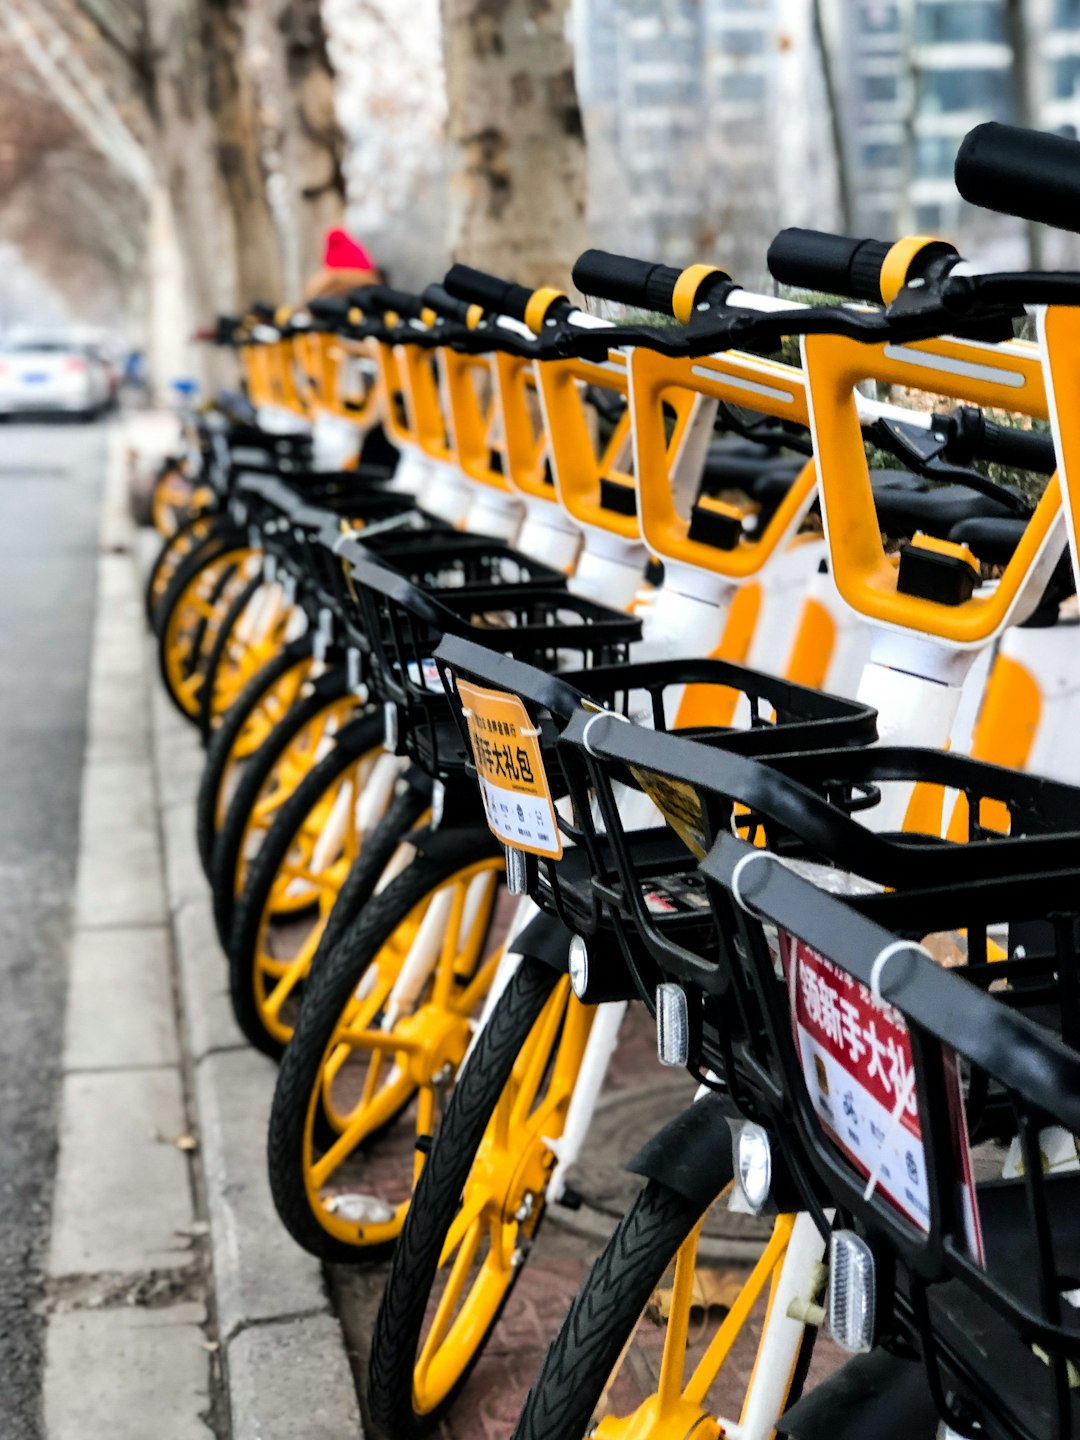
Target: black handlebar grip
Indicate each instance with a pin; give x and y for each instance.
(439, 299)
(383, 298)
(835, 264)
(1019, 172)
(476, 287)
(1022, 449)
(641, 283)
(331, 308)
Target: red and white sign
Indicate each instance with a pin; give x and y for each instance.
(857, 1062)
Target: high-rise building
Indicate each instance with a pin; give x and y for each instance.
(706, 125)
(962, 63)
(868, 38)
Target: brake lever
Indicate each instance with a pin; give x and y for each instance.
(921, 450)
(764, 431)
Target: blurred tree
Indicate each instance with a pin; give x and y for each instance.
(518, 171)
(310, 142)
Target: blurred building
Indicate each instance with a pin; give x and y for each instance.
(706, 126)
(868, 40)
(963, 72)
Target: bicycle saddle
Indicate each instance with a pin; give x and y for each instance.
(906, 503)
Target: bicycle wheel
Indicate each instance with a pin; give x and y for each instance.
(478, 1202)
(364, 1048)
(171, 497)
(261, 705)
(409, 810)
(293, 882)
(249, 638)
(173, 550)
(290, 751)
(616, 1370)
(193, 607)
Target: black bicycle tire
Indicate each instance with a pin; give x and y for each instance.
(239, 604)
(330, 688)
(359, 737)
(216, 545)
(226, 735)
(159, 560)
(440, 855)
(398, 1325)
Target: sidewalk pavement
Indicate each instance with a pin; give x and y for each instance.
(176, 1306)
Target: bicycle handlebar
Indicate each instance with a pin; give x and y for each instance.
(496, 296)
(383, 298)
(835, 264)
(332, 308)
(1006, 444)
(642, 283)
(438, 298)
(1026, 173)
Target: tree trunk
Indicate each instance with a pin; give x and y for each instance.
(312, 145)
(518, 181)
(1016, 30)
(836, 124)
(234, 111)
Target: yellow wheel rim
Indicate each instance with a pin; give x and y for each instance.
(178, 548)
(194, 620)
(296, 761)
(171, 501)
(686, 1357)
(309, 881)
(375, 1063)
(274, 704)
(503, 1197)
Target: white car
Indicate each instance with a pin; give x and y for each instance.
(51, 372)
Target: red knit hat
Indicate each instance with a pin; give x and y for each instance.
(343, 253)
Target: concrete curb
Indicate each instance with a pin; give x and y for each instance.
(284, 1361)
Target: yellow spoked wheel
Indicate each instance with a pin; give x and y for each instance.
(173, 498)
(659, 1345)
(296, 761)
(186, 539)
(480, 1199)
(252, 635)
(503, 1198)
(300, 869)
(194, 607)
(385, 1024)
(306, 733)
(253, 728)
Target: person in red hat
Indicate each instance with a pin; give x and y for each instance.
(346, 264)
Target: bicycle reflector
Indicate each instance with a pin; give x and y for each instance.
(578, 964)
(672, 1024)
(852, 1292)
(753, 1166)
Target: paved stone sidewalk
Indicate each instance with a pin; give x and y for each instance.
(285, 1369)
(177, 1307)
(130, 1339)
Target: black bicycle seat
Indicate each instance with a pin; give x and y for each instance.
(906, 503)
(744, 465)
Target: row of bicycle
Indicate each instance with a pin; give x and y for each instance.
(563, 695)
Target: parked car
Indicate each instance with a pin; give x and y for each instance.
(50, 371)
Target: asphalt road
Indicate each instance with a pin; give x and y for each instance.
(50, 490)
